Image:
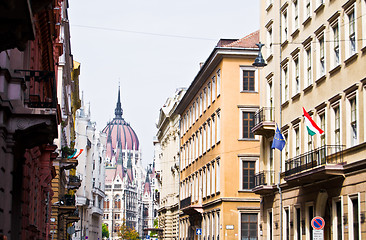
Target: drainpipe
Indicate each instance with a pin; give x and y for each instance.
(179, 162)
(279, 173)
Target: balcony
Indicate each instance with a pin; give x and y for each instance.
(98, 191)
(264, 182)
(319, 164)
(97, 211)
(187, 208)
(185, 202)
(41, 89)
(67, 202)
(74, 182)
(264, 123)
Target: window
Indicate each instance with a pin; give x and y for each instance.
(335, 44)
(209, 94)
(208, 185)
(322, 126)
(296, 78)
(351, 30)
(284, 26)
(248, 226)
(269, 41)
(204, 99)
(248, 174)
(218, 176)
(286, 221)
(204, 182)
(309, 217)
(297, 141)
(213, 129)
(321, 56)
(352, 119)
(248, 124)
(295, 14)
(204, 136)
(308, 67)
(363, 19)
(213, 178)
(270, 225)
(213, 88)
(218, 82)
(248, 80)
(208, 134)
(297, 223)
(337, 126)
(354, 217)
(285, 84)
(307, 9)
(337, 219)
(218, 127)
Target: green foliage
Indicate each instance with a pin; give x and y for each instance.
(105, 232)
(66, 151)
(156, 225)
(127, 233)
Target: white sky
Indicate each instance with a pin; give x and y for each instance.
(151, 47)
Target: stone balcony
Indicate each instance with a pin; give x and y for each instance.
(264, 122)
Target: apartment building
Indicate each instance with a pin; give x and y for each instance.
(218, 152)
(167, 165)
(315, 51)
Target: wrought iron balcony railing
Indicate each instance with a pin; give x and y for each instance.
(327, 154)
(265, 114)
(185, 202)
(68, 200)
(41, 89)
(264, 178)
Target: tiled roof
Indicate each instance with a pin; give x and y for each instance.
(248, 41)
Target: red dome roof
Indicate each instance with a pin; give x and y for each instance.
(119, 133)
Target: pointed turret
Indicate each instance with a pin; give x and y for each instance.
(119, 111)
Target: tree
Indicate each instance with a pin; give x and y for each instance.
(156, 225)
(105, 232)
(127, 233)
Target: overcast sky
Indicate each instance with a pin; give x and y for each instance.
(152, 47)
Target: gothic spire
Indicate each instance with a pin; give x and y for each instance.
(118, 110)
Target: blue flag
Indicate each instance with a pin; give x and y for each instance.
(278, 140)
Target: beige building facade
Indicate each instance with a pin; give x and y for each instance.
(219, 154)
(315, 51)
(167, 166)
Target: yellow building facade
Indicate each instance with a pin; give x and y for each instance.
(218, 152)
(315, 51)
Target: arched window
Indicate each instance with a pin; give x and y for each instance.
(117, 202)
(106, 203)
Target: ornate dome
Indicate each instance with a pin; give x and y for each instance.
(120, 135)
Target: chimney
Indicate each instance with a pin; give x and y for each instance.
(201, 64)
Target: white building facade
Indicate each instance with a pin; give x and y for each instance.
(91, 169)
(167, 162)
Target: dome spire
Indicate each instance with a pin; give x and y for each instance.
(118, 110)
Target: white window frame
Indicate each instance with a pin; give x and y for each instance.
(336, 44)
(213, 130)
(248, 212)
(350, 48)
(270, 225)
(249, 68)
(297, 140)
(285, 83)
(269, 41)
(295, 14)
(307, 218)
(241, 111)
(286, 222)
(218, 175)
(218, 83)
(350, 141)
(213, 178)
(218, 126)
(296, 75)
(209, 99)
(208, 180)
(307, 10)
(350, 215)
(213, 88)
(308, 66)
(320, 113)
(321, 58)
(285, 30)
(246, 159)
(204, 184)
(334, 220)
(363, 22)
(208, 134)
(335, 105)
(204, 135)
(296, 231)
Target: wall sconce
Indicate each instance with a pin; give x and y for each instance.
(345, 219)
(276, 225)
(362, 217)
(260, 226)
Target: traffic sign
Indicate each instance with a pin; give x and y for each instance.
(198, 231)
(318, 223)
(318, 234)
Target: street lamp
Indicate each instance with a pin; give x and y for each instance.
(259, 62)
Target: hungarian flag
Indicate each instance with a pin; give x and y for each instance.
(76, 154)
(311, 125)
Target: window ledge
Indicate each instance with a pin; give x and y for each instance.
(269, 58)
(245, 190)
(285, 104)
(351, 59)
(294, 33)
(308, 88)
(248, 139)
(284, 44)
(269, 7)
(245, 91)
(320, 79)
(363, 49)
(296, 96)
(335, 69)
(306, 21)
(319, 8)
